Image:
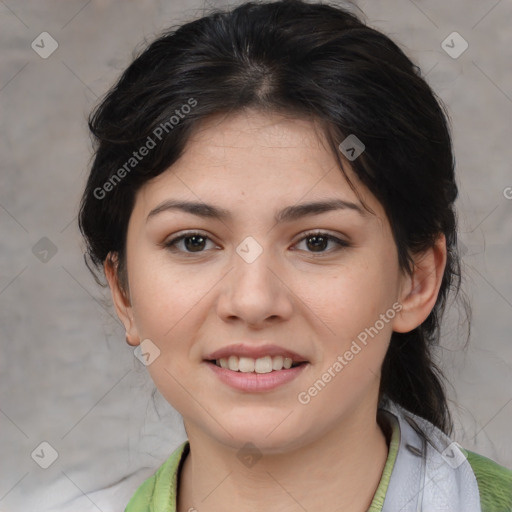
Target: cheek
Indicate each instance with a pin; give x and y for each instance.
(356, 316)
(164, 294)
(351, 298)
(353, 319)
(167, 306)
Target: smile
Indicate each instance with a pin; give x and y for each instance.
(264, 364)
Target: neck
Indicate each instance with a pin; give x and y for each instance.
(339, 470)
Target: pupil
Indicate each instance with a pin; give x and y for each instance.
(194, 245)
(316, 239)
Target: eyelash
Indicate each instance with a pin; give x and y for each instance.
(171, 244)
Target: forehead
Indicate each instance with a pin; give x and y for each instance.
(261, 158)
(249, 126)
(256, 141)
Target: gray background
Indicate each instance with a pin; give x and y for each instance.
(67, 376)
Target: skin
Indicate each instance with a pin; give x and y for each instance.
(329, 454)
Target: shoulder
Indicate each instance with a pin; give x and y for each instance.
(494, 483)
(158, 492)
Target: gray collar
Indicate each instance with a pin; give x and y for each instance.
(431, 472)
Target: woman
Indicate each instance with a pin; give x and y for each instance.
(272, 203)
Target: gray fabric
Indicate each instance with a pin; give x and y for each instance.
(431, 472)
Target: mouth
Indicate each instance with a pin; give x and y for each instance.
(256, 359)
(265, 364)
(257, 374)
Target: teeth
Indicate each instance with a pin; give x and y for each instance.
(277, 362)
(233, 363)
(249, 365)
(245, 364)
(263, 365)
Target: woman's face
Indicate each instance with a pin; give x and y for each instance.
(249, 279)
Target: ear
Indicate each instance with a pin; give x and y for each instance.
(419, 291)
(121, 299)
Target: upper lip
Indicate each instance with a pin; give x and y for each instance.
(255, 352)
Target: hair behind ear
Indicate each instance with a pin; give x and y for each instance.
(412, 379)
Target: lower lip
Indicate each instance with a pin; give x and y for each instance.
(256, 382)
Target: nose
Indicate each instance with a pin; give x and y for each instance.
(254, 293)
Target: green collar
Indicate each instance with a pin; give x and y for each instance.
(394, 443)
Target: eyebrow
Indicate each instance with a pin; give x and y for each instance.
(288, 214)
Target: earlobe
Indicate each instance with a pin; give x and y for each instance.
(120, 299)
(420, 290)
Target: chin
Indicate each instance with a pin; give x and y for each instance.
(268, 436)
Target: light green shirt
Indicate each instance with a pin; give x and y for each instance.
(159, 492)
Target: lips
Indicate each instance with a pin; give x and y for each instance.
(254, 352)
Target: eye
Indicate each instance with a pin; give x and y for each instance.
(318, 241)
(196, 242)
(193, 242)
